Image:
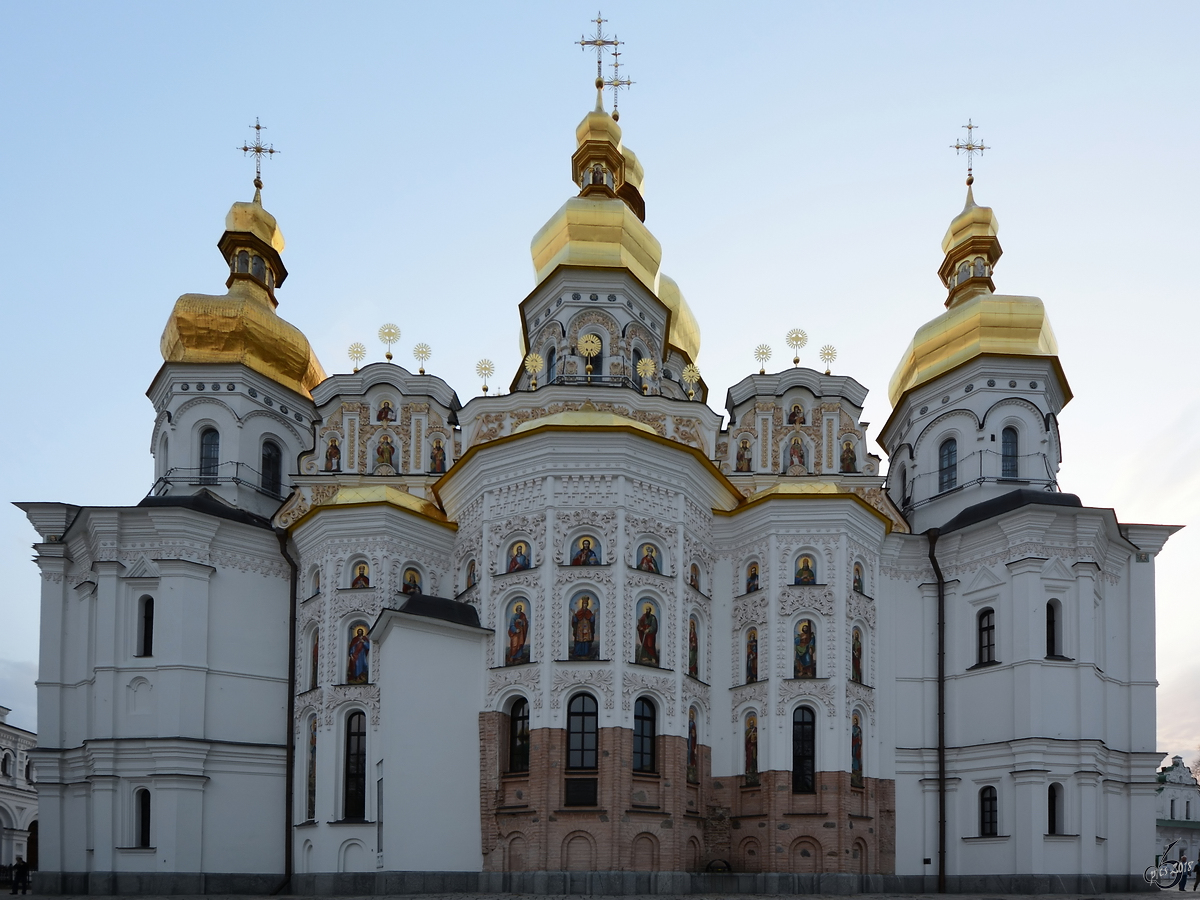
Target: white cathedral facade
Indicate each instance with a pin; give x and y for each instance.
(591, 634)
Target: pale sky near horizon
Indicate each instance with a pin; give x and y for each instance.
(798, 174)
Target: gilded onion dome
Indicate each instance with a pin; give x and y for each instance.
(241, 326)
(603, 226)
(977, 321)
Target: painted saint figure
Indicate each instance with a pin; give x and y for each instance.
(694, 576)
(471, 576)
(858, 578)
(752, 578)
(751, 748)
(693, 749)
(386, 413)
(412, 582)
(518, 635)
(314, 670)
(649, 560)
(796, 454)
(849, 460)
(693, 649)
(585, 555)
(310, 805)
(856, 749)
(805, 574)
(437, 458)
(856, 656)
(357, 662)
(806, 650)
(583, 631)
(647, 630)
(743, 456)
(796, 416)
(519, 559)
(385, 452)
(333, 456)
(361, 578)
(752, 656)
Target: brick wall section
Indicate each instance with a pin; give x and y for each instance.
(661, 823)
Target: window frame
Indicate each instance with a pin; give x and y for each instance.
(145, 627)
(583, 722)
(210, 455)
(354, 768)
(804, 750)
(142, 818)
(271, 481)
(989, 811)
(947, 465)
(645, 736)
(985, 631)
(518, 756)
(1010, 467)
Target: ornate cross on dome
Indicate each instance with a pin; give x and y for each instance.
(616, 82)
(598, 41)
(259, 149)
(970, 148)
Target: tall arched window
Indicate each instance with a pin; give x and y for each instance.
(948, 465)
(210, 455)
(142, 814)
(518, 736)
(989, 818)
(903, 486)
(272, 468)
(804, 751)
(597, 361)
(643, 735)
(987, 636)
(1054, 809)
(637, 379)
(551, 365)
(581, 732)
(354, 805)
(1008, 453)
(1053, 629)
(145, 642)
(6, 765)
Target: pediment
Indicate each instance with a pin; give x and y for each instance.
(984, 580)
(1055, 570)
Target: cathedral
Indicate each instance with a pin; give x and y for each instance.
(588, 634)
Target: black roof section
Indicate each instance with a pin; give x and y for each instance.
(441, 608)
(997, 506)
(204, 502)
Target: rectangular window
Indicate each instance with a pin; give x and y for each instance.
(580, 792)
(804, 751)
(1172, 809)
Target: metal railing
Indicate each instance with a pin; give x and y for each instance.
(230, 472)
(975, 461)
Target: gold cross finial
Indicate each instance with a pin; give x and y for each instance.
(970, 148)
(598, 41)
(616, 82)
(259, 149)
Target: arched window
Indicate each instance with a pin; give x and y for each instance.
(581, 732)
(145, 642)
(643, 735)
(258, 268)
(210, 455)
(551, 365)
(142, 814)
(903, 486)
(948, 465)
(310, 786)
(1008, 453)
(804, 751)
(989, 818)
(987, 636)
(518, 736)
(243, 261)
(272, 468)
(597, 361)
(314, 659)
(637, 379)
(1053, 629)
(1054, 809)
(354, 804)
(5, 765)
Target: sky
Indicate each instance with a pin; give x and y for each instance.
(799, 174)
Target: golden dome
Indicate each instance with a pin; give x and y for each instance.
(977, 322)
(241, 326)
(685, 330)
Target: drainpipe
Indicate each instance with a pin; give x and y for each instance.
(290, 743)
(932, 536)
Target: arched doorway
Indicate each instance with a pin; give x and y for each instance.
(31, 846)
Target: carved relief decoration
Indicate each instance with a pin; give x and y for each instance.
(566, 679)
(793, 689)
(636, 680)
(603, 523)
(528, 677)
(749, 695)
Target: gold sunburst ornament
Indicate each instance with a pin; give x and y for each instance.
(762, 353)
(534, 364)
(797, 338)
(485, 370)
(421, 354)
(389, 334)
(589, 346)
(690, 376)
(357, 353)
(828, 355)
(645, 370)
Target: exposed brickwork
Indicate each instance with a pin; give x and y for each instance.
(660, 822)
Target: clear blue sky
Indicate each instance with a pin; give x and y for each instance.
(798, 174)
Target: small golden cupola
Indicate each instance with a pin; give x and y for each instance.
(972, 250)
(241, 326)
